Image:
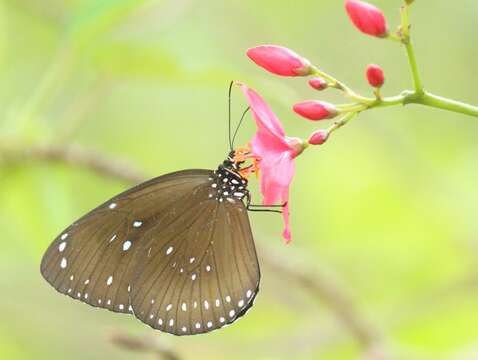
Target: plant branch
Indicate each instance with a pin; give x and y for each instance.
(144, 345)
(75, 156)
(405, 36)
(327, 292)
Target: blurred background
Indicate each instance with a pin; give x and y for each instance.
(97, 95)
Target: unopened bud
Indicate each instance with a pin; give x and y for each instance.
(280, 60)
(375, 75)
(315, 110)
(367, 18)
(318, 137)
(318, 83)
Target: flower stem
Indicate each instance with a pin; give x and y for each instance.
(341, 86)
(405, 35)
(440, 102)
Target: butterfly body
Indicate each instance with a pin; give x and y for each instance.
(176, 251)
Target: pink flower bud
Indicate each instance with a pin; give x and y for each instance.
(279, 60)
(375, 75)
(367, 18)
(318, 137)
(315, 110)
(318, 83)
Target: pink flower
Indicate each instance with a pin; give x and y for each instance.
(315, 110)
(279, 60)
(318, 137)
(318, 83)
(375, 75)
(276, 153)
(367, 18)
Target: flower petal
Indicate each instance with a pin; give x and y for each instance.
(268, 124)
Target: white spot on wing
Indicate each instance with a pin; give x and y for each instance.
(113, 237)
(64, 236)
(206, 304)
(240, 303)
(62, 246)
(208, 268)
(249, 293)
(109, 281)
(63, 263)
(169, 307)
(112, 205)
(160, 321)
(126, 245)
(209, 324)
(170, 250)
(232, 313)
(184, 307)
(137, 224)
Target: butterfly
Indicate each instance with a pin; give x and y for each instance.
(176, 251)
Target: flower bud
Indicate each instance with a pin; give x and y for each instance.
(367, 18)
(315, 110)
(279, 60)
(375, 75)
(318, 137)
(318, 83)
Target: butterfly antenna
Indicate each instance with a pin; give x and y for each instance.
(239, 125)
(229, 114)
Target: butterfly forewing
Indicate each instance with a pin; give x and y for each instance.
(166, 250)
(94, 259)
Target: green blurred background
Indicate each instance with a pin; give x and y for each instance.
(384, 216)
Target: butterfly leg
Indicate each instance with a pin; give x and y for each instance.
(263, 208)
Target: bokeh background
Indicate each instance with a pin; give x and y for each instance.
(97, 94)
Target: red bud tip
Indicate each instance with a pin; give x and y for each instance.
(279, 60)
(367, 18)
(318, 137)
(375, 75)
(315, 110)
(318, 83)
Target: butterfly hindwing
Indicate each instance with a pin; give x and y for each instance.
(204, 277)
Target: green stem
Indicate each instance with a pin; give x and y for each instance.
(405, 35)
(414, 68)
(341, 86)
(439, 102)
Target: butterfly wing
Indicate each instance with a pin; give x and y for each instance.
(202, 278)
(94, 260)
(166, 250)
